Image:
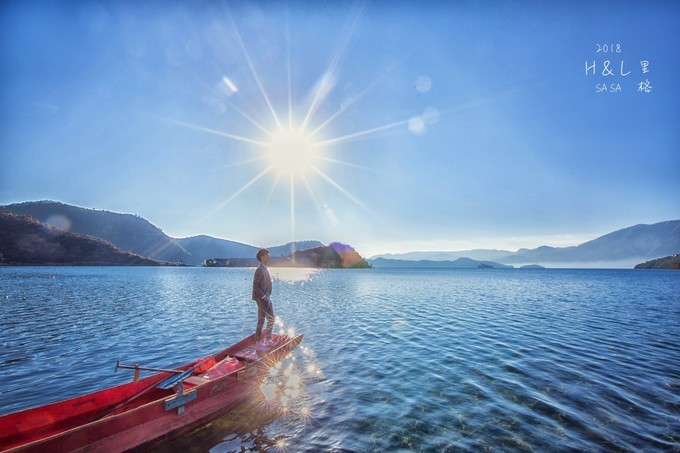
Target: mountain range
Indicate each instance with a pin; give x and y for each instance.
(459, 263)
(136, 235)
(622, 248)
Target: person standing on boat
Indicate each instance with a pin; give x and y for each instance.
(262, 291)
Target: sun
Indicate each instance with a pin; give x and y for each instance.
(292, 152)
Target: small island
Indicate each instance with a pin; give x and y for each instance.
(333, 256)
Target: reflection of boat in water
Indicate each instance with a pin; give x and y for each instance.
(146, 411)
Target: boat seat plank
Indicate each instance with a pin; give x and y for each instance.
(196, 380)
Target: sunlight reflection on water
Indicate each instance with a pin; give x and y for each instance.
(293, 274)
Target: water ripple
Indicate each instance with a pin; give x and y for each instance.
(435, 360)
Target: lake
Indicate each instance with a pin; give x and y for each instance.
(392, 359)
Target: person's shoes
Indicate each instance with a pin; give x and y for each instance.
(261, 346)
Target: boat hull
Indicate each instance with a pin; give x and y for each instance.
(149, 420)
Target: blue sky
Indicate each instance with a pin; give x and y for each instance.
(436, 125)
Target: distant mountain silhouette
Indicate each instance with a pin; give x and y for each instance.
(476, 254)
(623, 248)
(202, 248)
(460, 263)
(25, 241)
(635, 243)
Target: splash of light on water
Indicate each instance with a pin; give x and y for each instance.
(305, 412)
(293, 274)
(285, 390)
(280, 444)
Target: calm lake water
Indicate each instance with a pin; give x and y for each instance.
(424, 360)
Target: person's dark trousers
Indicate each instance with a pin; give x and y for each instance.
(264, 311)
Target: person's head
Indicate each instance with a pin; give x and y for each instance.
(263, 256)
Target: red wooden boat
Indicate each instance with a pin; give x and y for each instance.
(145, 412)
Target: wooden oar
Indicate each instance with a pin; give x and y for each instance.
(165, 384)
(137, 367)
